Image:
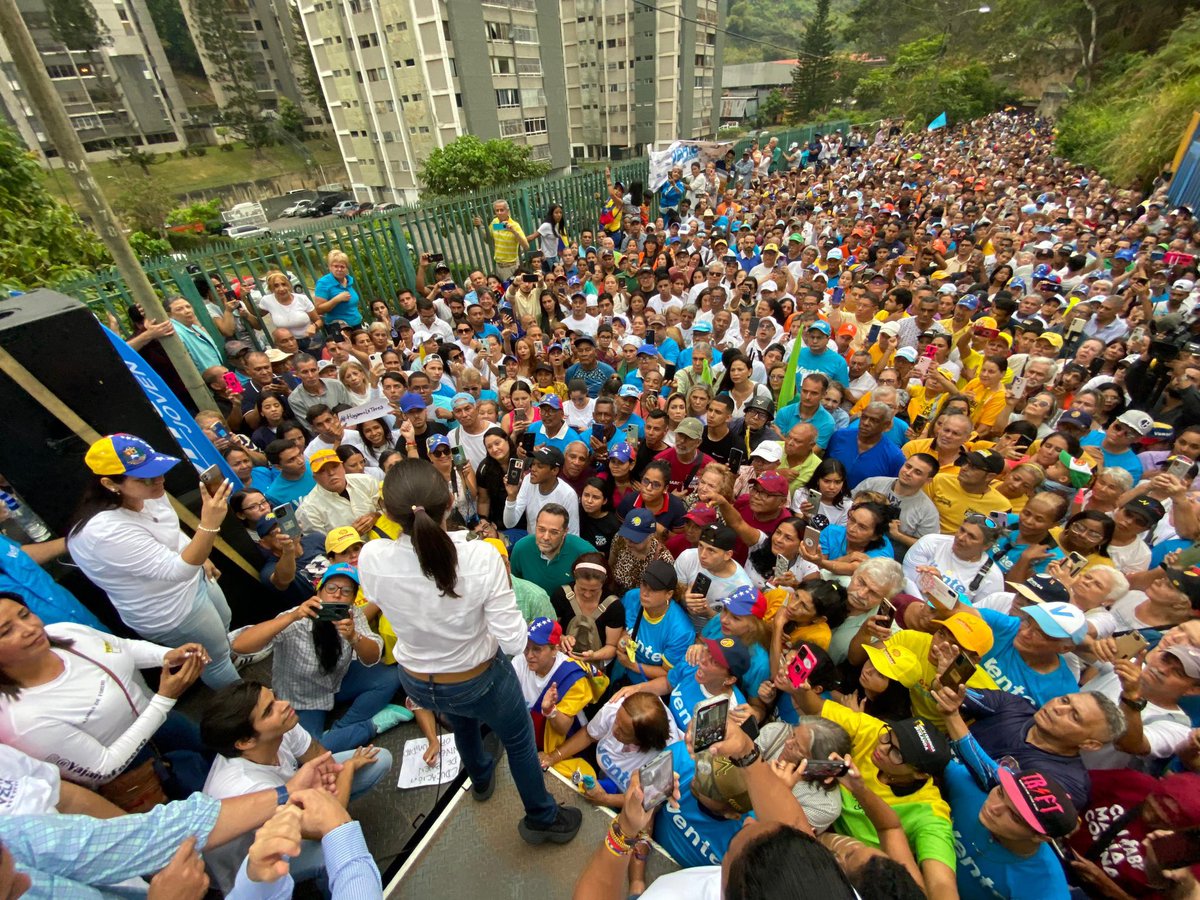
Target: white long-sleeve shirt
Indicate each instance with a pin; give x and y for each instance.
(321, 511)
(81, 721)
(134, 558)
(436, 633)
(530, 501)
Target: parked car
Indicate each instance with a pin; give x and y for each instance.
(359, 210)
(298, 208)
(243, 232)
(324, 205)
(346, 208)
(386, 207)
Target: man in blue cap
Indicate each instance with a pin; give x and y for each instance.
(647, 361)
(816, 356)
(552, 429)
(416, 429)
(470, 430)
(587, 367)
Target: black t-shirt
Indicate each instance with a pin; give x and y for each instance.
(431, 428)
(310, 566)
(613, 617)
(718, 450)
(489, 478)
(599, 532)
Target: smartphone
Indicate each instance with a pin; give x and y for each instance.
(658, 780)
(959, 673)
(529, 279)
(1018, 386)
(921, 369)
(1137, 334)
(710, 719)
(651, 336)
(802, 666)
(516, 468)
(459, 455)
(333, 332)
(888, 612)
(737, 456)
(1177, 850)
(812, 538)
(754, 320)
(919, 423)
(873, 333)
(232, 382)
(538, 348)
(597, 432)
(814, 498)
(985, 332)
(497, 226)
(333, 612)
(436, 257)
(940, 592)
(607, 320)
(375, 359)
(527, 441)
(1129, 644)
(836, 298)
(211, 478)
(220, 430)
(701, 584)
(822, 769)
(287, 520)
(631, 435)
(1180, 467)
(1078, 561)
(781, 565)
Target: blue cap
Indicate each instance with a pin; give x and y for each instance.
(746, 601)
(124, 454)
(820, 325)
(629, 390)
(970, 301)
(647, 350)
(1059, 620)
(412, 401)
(638, 526)
(436, 441)
(460, 398)
(1126, 255)
(722, 222)
(1018, 283)
(1077, 417)
(1041, 272)
(544, 631)
(573, 280)
(551, 400)
(266, 525)
(702, 328)
(621, 452)
(339, 569)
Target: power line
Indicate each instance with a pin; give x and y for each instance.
(726, 31)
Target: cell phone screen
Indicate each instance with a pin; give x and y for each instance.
(820, 769)
(710, 722)
(658, 780)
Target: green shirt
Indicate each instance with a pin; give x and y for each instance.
(532, 601)
(528, 563)
(930, 835)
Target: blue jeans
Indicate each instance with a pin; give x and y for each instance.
(311, 861)
(368, 689)
(207, 624)
(493, 698)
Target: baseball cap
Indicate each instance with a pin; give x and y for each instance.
(701, 514)
(771, 482)
(820, 325)
(412, 401)
(892, 329)
(762, 404)
(1187, 581)
(948, 289)
(647, 350)
(339, 569)
(275, 355)
(690, 427)
(720, 536)
(638, 525)
(1042, 803)
(921, 745)
(1053, 338)
(548, 455)
(323, 458)
(1189, 658)
(1183, 284)
(551, 400)
(771, 248)
(746, 601)
(544, 631)
(702, 328)
(124, 454)
(1078, 471)
(585, 339)
(970, 301)
(621, 452)
(897, 663)
(1147, 508)
(629, 390)
(342, 539)
(1059, 620)
(1138, 421)
(729, 653)
(659, 575)
(269, 523)
(835, 253)
(719, 781)
(992, 463)
(236, 348)
(435, 442)
(1043, 589)
(846, 330)
(970, 632)
(771, 451)
(907, 353)
(462, 398)
(1077, 417)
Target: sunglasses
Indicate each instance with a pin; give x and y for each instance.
(441, 451)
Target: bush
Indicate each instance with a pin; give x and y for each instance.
(227, 148)
(199, 151)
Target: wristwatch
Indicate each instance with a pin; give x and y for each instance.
(1139, 705)
(742, 761)
(281, 795)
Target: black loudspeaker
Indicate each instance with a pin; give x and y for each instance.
(60, 342)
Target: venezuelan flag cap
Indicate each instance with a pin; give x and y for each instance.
(124, 454)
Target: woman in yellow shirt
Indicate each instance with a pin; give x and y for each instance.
(1088, 534)
(987, 396)
(927, 400)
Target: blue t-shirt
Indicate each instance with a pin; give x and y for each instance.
(262, 478)
(789, 417)
(1127, 460)
(885, 458)
(593, 378)
(284, 491)
(347, 311)
(1011, 673)
(661, 643)
(833, 544)
(561, 443)
(686, 692)
(688, 833)
(828, 363)
(49, 600)
(760, 663)
(1007, 551)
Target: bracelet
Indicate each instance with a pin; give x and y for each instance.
(615, 842)
(208, 530)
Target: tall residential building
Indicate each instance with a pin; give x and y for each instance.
(119, 92)
(403, 77)
(640, 73)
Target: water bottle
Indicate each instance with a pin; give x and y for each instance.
(26, 518)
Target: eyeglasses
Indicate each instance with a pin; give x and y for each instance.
(256, 504)
(980, 519)
(887, 739)
(441, 451)
(653, 485)
(1082, 529)
(340, 590)
(464, 330)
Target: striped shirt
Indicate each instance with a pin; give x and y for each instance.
(507, 244)
(297, 676)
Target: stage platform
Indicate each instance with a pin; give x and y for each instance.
(473, 850)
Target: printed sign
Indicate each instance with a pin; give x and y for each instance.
(413, 771)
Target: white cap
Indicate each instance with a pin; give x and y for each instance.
(835, 253)
(768, 285)
(1044, 245)
(948, 289)
(771, 451)
(1139, 421)
(1183, 284)
(890, 328)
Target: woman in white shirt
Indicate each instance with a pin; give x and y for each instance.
(289, 310)
(459, 610)
(72, 696)
(125, 538)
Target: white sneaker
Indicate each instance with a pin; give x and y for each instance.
(241, 660)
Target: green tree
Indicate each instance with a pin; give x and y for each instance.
(469, 164)
(812, 79)
(290, 117)
(231, 66)
(147, 246)
(310, 82)
(42, 241)
(772, 108)
(141, 201)
(206, 211)
(176, 39)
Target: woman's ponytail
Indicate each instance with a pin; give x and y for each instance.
(415, 496)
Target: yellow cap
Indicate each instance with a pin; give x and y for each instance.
(322, 458)
(342, 539)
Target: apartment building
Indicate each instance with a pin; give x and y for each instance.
(640, 73)
(120, 91)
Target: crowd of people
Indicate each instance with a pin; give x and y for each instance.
(852, 484)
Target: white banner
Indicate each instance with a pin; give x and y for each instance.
(681, 153)
(375, 409)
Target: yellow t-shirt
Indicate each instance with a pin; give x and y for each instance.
(1094, 559)
(923, 704)
(924, 404)
(864, 733)
(986, 404)
(954, 504)
(817, 633)
(507, 246)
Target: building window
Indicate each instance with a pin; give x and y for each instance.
(502, 65)
(507, 98)
(535, 126)
(511, 127)
(524, 34)
(533, 97)
(529, 67)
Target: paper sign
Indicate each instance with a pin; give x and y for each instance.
(375, 409)
(414, 772)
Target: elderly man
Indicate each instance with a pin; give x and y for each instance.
(949, 443)
(508, 240)
(470, 430)
(961, 559)
(314, 389)
(200, 345)
(799, 457)
(338, 499)
(865, 446)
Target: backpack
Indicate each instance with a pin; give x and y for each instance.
(583, 628)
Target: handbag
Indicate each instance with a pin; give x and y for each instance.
(139, 788)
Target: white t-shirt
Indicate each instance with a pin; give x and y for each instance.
(687, 567)
(579, 418)
(1133, 557)
(472, 445)
(1165, 730)
(588, 325)
(293, 316)
(937, 550)
(28, 786)
(619, 761)
(801, 568)
(238, 776)
(697, 883)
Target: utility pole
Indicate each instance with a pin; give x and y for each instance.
(46, 101)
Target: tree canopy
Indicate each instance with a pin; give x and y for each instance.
(468, 164)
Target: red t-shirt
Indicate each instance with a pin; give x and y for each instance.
(683, 475)
(742, 505)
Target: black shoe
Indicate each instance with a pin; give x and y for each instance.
(564, 829)
(481, 792)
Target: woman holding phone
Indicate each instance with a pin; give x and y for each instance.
(456, 600)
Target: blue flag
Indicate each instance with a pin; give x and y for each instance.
(939, 122)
